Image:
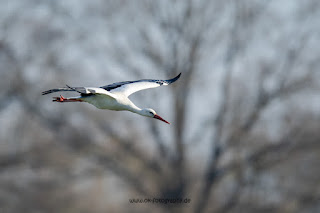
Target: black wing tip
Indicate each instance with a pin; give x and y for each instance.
(178, 76)
(50, 91)
(46, 92)
(170, 81)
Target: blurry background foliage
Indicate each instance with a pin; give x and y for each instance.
(245, 114)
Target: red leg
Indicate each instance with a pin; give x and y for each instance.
(62, 99)
(59, 99)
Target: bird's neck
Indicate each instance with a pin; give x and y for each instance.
(133, 108)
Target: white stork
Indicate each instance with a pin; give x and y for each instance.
(114, 96)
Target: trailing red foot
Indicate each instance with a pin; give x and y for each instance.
(62, 99)
(59, 99)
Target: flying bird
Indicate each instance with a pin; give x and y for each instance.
(114, 96)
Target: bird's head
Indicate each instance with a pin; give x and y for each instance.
(151, 113)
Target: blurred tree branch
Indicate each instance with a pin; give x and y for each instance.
(174, 37)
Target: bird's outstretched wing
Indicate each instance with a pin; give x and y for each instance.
(129, 87)
(81, 90)
(84, 91)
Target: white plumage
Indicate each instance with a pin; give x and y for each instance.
(114, 96)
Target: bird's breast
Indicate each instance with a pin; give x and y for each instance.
(103, 102)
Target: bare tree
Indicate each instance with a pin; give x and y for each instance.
(60, 147)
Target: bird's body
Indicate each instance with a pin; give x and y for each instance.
(114, 96)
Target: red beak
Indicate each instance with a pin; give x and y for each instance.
(161, 119)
